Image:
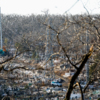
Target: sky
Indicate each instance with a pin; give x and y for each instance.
(28, 7)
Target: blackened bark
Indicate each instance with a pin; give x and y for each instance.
(74, 77)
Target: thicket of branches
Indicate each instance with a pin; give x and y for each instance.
(81, 28)
(18, 29)
(69, 33)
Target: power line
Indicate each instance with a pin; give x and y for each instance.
(85, 7)
(72, 6)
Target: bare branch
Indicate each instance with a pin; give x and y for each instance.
(82, 98)
(15, 68)
(91, 81)
(74, 77)
(65, 51)
(61, 78)
(78, 84)
(11, 58)
(6, 97)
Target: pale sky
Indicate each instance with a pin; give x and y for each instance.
(28, 7)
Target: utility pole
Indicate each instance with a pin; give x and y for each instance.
(49, 50)
(47, 54)
(0, 28)
(87, 64)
